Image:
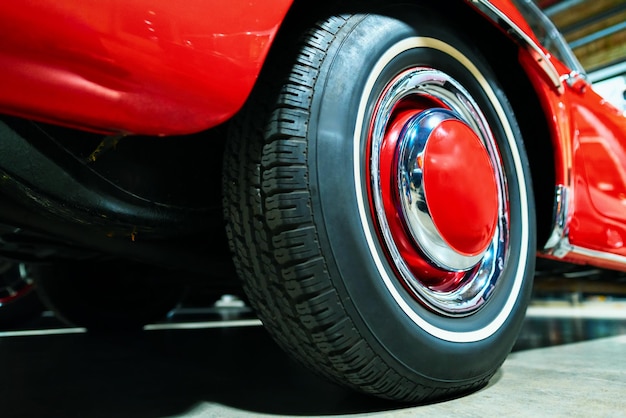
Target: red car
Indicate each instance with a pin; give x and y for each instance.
(384, 174)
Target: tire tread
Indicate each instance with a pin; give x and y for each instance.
(273, 238)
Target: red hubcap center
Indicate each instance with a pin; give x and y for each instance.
(460, 187)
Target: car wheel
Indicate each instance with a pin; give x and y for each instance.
(381, 214)
(114, 296)
(19, 302)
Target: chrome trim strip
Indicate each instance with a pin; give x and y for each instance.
(613, 258)
(564, 248)
(558, 244)
(573, 78)
(502, 20)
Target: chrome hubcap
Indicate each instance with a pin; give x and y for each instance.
(442, 164)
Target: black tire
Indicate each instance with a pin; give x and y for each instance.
(111, 297)
(315, 241)
(19, 302)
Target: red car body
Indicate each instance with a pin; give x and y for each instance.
(174, 75)
(156, 67)
(144, 67)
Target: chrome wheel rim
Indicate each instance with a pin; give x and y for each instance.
(451, 266)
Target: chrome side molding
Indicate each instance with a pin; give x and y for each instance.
(540, 57)
(559, 246)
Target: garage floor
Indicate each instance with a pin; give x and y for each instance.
(570, 361)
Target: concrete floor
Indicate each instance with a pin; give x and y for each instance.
(568, 362)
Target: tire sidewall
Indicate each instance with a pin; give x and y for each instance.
(348, 239)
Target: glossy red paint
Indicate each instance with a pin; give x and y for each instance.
(143, 66)
(557, 116)
(159, 67)
(589, 138)
(598, 132)
(460, 187)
